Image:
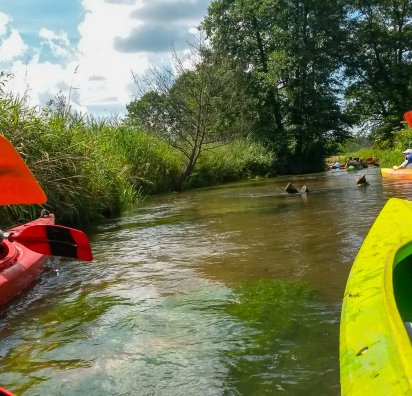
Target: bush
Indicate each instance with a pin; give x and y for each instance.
(231, 162)
(89, 169)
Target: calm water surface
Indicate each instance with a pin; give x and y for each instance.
(233, 290)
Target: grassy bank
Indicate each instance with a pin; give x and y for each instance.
(91, 169)
(386, 156)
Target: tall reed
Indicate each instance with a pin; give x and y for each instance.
(91, 168)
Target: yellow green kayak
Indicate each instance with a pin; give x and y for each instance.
(376, 319)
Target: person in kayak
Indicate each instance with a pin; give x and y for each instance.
(336, 165)
(408, 160)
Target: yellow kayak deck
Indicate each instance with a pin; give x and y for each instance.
(375, 348)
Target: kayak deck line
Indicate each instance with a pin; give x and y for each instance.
(375, 347)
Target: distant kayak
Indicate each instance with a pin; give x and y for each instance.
(376, 319)
(354, 167)
(401, 174)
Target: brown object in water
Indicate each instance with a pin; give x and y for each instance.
(361, 180)
(304, 189)
(291, 189)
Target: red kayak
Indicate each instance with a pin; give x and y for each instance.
(19, 266)
(24, 249)
(5, 392)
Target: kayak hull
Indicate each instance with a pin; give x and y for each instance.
(400, 174)
(19, 266)
(375, 348)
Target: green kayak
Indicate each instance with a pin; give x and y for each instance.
(376, 320)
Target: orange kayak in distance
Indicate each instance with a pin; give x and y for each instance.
(400, 174)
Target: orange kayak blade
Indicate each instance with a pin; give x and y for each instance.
(17, 183)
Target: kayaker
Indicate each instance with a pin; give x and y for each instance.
(336, 165)
(408, 160)
(349, 162)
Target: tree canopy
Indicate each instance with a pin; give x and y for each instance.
(311, 73)
(193, 107)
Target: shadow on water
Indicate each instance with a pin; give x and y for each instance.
(230, 290)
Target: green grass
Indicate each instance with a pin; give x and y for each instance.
(234, 161)
(91, 169)
(387, 156)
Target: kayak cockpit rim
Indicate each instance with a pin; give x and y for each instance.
(375, 348)
(396, 322)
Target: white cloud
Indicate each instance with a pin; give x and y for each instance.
(103, 22)
(41, 81)
(102, 83)
(58, 43)
(4, 22)
(12, 47)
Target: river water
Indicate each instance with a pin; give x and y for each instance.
(231, 290)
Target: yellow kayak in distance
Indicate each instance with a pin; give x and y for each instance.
(400, 174)
(376, 318)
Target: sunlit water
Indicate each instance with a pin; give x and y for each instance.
(232, 290)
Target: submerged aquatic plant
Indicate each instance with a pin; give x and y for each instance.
(285, 335)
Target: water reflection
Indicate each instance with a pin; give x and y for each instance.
(228, 290)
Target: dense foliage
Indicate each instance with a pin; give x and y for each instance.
(289, 49)
(315, 72)
(274, 87)
(92, 169)
(378, 64)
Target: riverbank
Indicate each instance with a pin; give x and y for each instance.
(386, 156)
(93, 169)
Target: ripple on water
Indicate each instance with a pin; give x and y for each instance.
(230, 290)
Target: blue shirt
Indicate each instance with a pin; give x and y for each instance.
(408, 161)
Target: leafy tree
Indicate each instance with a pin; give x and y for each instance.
(290, 51)
(194, 107)
(242, 31)
(379, 63)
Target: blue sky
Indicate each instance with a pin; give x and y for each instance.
(90, 47)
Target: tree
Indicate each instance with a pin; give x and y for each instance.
(305, 63)
(290, 51)
(242, 31)
(194, 107)
(379, 63)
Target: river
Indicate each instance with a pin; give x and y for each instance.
(230, 290)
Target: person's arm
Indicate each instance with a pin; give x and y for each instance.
(402, 165)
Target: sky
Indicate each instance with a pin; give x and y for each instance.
(87, 49)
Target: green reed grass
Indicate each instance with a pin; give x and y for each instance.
(234, 161)
(387, 157)
(94, 168)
